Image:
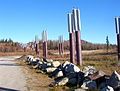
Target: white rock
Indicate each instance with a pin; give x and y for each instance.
(55, 63)
(65, 63)
(49, 60)
(50, 69)
(59, 74)
(89, 70)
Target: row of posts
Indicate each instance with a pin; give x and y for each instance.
(74, 27)
(44, 44)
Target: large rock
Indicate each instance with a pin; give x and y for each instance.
(34, 61)
(65, 63)
(29, 57)
(102, 81)
(70, 68)
(73, 81)
(89, 70)
(56, 73)
(59, 74)
(114, 80)
(89, 84)
(61, 81)
(107, 88)
(50, 69)
(55, 64)
(96, 75)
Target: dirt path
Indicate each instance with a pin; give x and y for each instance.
(11, 76)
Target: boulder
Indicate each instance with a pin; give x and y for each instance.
(29, 57)
(73, 81)
(55, 64)
(89, 84)
(65, 63)
(70, 68)
(107, 88)
(102, 81)
(89, 70)
(61, 81)
(50, 69)
(59, 74)
(114, 80)
(96, 75)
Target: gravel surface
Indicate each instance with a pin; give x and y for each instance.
(12, 77)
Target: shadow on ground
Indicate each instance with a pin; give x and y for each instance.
(7, 89)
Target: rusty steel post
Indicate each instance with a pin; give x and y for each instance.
(36, 46)
(59, 46)
(71, 38)
(62, 45)
(72, 48)
(44, 38)
(45, 54)
(78, 48)
(77, 28)
(117, 26)
(118, 44)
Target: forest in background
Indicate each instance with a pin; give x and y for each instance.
(8, 45)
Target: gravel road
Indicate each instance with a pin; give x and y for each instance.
(11, 76)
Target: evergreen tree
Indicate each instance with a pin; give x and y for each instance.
(107, 43)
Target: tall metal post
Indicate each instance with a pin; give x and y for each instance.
(36, 46)
(59, 46)
(117, 25)
(62, 45)
(71, 38)
(46, 51)
(44, 38)
(77, 28)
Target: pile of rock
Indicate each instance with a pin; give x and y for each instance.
(69, 74)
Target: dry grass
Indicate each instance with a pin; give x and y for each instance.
(102, 60)
(106, 62)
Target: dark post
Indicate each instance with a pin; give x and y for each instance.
(59, 46)
(46, 45)
(77, 28)
(72, 48)
(62, 45)
(117, 25)
(36, 46)
(71, 38)
(44, 38)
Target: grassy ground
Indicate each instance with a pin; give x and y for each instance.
(98, 58)
(106, 62)
(102, 60)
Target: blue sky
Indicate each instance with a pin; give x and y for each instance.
(21, 20)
